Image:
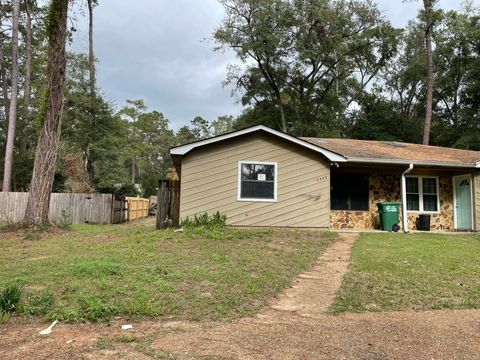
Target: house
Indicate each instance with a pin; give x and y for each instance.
(262, 177)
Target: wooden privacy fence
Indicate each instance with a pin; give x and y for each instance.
(120, 209)
(137, 208)
(168, 206)
(79, 208)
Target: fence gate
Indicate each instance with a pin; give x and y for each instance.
(168, 205)
(119, 209)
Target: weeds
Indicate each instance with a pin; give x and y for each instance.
(32, 236)
(204, 220)
(96, 310)
(10, 298)
(65, 220)
(38, 304)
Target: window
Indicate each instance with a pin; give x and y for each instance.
(257, 181)
(422, 194)
(349, 192)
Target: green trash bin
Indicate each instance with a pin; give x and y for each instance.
(389, 217)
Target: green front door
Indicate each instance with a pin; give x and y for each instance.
(463, 202)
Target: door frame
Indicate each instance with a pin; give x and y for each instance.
(455, 201)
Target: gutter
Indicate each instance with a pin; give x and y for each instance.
(404, 200)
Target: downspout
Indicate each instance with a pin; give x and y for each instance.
(404, 199)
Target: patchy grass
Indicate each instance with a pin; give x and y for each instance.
(413, 271)
(95, 272)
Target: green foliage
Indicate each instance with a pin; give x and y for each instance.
(304, 57)
(65, 220)
(32, 236)
(10, 297)
(6, 225)
(122, 190)
(94, 309)
(205, 220)
(38, 304)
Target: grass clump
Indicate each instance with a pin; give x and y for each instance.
(391, 272)
(10, 298)
(32, 236)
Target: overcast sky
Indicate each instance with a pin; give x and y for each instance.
(161, 51)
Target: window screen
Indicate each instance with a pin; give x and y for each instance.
(349, 192)
(257, 181)
(422, 194)
(413, 194)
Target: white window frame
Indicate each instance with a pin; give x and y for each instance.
(420, 194)
(239, 180)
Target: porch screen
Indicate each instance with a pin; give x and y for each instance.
(349, 192)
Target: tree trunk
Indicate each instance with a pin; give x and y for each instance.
(12, 114)
(133, 171)
(91, 65)
(28, 56)
(283, 122)
(6, 103)
(27, 85)
(51, 116)
(91, 58)
(1, 66)
(429, 96)
(1, 78)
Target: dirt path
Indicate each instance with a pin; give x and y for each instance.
(294, 326)
(314, 291)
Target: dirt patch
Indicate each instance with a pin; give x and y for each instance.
(38, 258)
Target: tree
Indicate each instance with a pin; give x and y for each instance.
(428, 9)
(91, 65)
(222, 125)
(310, 58)
(200, 128)
(184, 135)
(131, 114)
(12, 114)
(50, 116)
(100, 147)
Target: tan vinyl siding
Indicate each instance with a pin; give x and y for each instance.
(476, 199)
(209, 183)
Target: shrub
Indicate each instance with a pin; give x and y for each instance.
(65, 220)
(9, 299)
(215, 220)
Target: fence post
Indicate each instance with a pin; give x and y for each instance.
(160, 209)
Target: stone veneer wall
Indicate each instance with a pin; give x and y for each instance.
(387, 188)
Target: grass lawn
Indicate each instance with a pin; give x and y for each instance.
(95, 272)
(413, 271)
